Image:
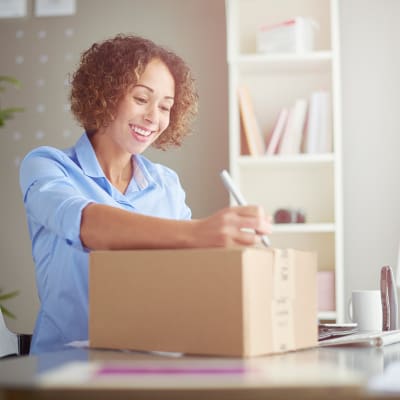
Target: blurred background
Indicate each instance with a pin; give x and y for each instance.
(42, 51)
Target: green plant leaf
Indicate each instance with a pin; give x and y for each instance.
(11, 80)
(7, 313)
(8, 113)
(11, 110)
(9, 295)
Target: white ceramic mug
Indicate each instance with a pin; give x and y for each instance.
(365, 308)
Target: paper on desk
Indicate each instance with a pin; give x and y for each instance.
(374, 339)
(387, 382)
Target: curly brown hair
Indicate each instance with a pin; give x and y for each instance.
(109, 68)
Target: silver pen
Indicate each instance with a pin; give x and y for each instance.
(234, 191)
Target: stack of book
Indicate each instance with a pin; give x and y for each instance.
(303, 127)
(329, 331)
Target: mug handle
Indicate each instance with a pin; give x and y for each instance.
(350, 309)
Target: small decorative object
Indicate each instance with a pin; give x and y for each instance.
(289, 216)
(295, 35)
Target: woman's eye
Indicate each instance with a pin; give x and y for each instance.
(165, 108)
(140, 100)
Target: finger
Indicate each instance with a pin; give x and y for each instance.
(250, 211)
(261, 225)
(247, 238)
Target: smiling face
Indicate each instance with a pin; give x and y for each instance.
(143, 114)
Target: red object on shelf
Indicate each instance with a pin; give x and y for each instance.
(289, 216)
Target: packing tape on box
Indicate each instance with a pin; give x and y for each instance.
(282, 303)
(283, 273)
(282, 325)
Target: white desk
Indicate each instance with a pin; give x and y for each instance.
(326, 373)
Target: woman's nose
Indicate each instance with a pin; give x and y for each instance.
(151, 114)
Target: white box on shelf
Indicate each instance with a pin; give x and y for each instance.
(295, 35)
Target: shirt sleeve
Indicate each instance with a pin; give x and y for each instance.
(50, 197)
(186, 212)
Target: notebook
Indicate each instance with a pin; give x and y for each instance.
(372, 339)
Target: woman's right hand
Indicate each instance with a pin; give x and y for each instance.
(232, 226)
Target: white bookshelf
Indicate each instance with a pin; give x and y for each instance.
(312, 182)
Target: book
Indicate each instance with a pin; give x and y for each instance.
(325, 138)
(328, 331)
(293, 133)
(276, 134)
(253, 139)
(373, 339)
(311, 132)
(318, 131)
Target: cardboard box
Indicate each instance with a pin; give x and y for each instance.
(227, 302)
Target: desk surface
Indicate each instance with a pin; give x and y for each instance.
(340, 373)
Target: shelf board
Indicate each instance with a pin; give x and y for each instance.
(284, 57)
(287, 159)
(253, 62)
(304, 228)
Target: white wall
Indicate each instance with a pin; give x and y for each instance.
(370, 32)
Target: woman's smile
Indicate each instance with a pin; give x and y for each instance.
(140, 133)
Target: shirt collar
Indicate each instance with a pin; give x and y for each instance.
(87, 157)
(141, 176)
(91, 167)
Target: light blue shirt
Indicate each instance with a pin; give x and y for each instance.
(56, 186)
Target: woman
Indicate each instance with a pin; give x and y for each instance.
(128, 93)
